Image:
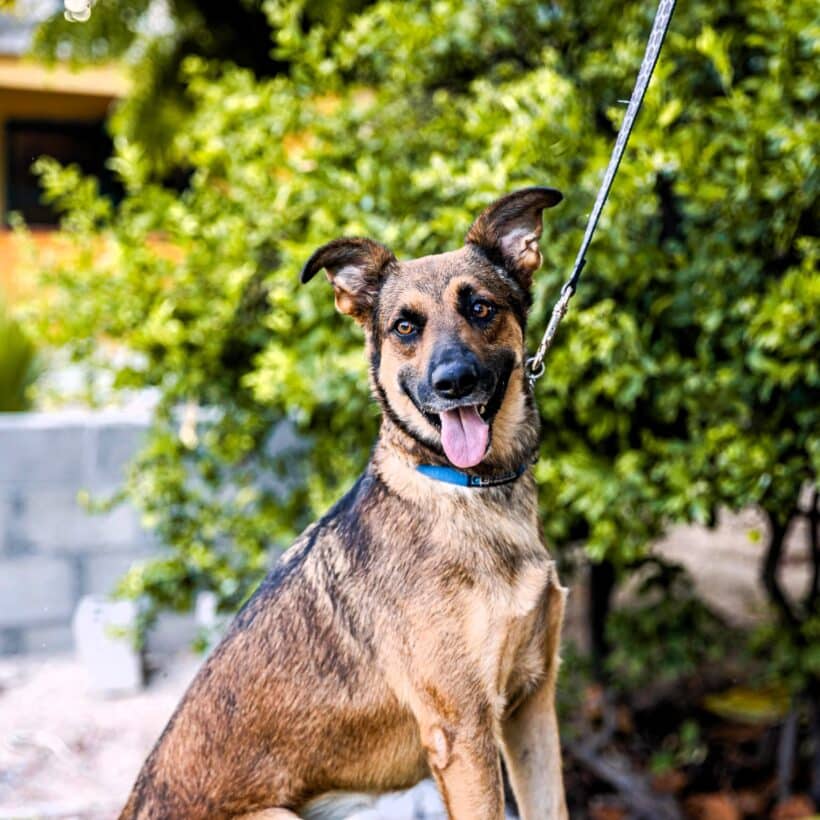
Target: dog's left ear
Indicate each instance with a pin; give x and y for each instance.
(356, 268)
(510, 229)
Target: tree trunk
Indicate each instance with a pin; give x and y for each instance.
(786, 749)
(814, 731)
(778, 526)
(812, 606)
(601, 587)
(813, 594)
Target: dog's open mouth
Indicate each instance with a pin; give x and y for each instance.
(464, 435)
(465, 429)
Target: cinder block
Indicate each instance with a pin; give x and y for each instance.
(103, 571)
(48, 639)
(117, 444)
(4, 518)
(11, 641)
(49, 518)
(34, 450)
(36, 589)
(172, 632)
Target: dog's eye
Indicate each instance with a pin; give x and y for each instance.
(482, 310)
(404, 327)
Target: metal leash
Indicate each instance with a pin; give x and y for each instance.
(535, 364)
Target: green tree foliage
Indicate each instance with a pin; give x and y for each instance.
(686, 374)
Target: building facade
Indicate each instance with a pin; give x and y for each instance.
(57, 111)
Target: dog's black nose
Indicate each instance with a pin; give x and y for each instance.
(454, 379)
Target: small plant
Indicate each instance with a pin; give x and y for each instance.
(684, 747)
(17, 363)
(666, 633)
(791, 658)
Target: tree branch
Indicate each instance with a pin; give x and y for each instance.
(614, 769)
(813, 516)
(771, 564)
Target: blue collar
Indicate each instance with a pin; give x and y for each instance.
(450, 475)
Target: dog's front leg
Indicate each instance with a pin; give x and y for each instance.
(532, 752)
(467, 769)
(532, 747)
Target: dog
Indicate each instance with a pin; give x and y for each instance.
(414, 630)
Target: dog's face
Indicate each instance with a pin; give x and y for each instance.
(446, 332)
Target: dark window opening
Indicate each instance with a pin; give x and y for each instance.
(85, 143)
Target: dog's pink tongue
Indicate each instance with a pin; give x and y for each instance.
(464, 436)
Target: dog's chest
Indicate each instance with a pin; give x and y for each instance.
(505, 610)
(506, 628)
(499, 581)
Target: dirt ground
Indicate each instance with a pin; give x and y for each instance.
(67, 753)
(70, 754)
(725, 562)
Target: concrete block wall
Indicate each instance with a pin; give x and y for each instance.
(51, 550)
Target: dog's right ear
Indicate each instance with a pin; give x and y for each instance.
(356, 268)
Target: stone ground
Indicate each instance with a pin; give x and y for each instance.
(65, 753)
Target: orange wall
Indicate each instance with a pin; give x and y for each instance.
(15, 285)
(24, 74)
(51, 105)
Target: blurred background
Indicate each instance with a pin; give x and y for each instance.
(175, 407)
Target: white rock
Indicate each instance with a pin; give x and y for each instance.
(103, 631)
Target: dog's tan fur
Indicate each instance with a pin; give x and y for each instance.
(414, 630)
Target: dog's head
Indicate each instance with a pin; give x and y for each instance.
(445, 333)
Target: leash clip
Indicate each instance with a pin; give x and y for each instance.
(535, 364)
(535, 369)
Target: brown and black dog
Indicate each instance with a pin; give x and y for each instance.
(413, 630)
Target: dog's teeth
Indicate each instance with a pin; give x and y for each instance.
(482, 409)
